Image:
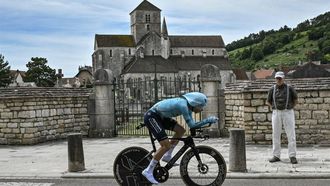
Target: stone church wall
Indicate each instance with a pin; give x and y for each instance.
(246, 108)
(35, 115)
(188, 51)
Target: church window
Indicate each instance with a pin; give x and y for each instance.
(148, 18)
(171, 51)
(213, 52)
(192, 52)
(100, 57)
(153, 52)
(129, 51)
(110, 53)
(148, 27)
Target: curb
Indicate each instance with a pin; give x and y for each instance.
(229, 175)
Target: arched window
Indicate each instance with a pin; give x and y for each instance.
(213, 52)
(148, 27)
(192, 52)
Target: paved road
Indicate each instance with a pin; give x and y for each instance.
(173, 182)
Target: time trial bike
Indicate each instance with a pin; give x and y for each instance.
(200, 165)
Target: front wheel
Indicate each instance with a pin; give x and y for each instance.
(128, 166)
(211, 172)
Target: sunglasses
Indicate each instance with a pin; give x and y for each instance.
(279, 78)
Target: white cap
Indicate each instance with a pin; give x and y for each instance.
(279, 74)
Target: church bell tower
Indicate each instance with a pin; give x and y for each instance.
(145, 18)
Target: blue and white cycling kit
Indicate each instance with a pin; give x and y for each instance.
(159, 117)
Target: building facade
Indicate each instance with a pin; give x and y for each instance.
(149, 49)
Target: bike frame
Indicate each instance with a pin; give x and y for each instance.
(188, 143)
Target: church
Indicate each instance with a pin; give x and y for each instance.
(150, 51)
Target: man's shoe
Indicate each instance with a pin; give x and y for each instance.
(274, 159)
(149, 176)
(293, 160)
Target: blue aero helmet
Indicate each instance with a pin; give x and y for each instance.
(196, 99)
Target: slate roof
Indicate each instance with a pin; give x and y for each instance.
(146, 5)
(197, 41)
(174, 64)
(114, 40)
(147, 65)
(196, 62)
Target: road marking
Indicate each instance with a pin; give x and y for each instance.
(24, 184)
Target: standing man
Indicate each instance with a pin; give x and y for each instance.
(282, 98)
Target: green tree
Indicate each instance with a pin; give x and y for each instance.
(5, 78)
(257, 54)
(268, 47)
(40, 73)
(245, 54)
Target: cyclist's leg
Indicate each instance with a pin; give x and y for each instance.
(173, 125)
(148, 172)
(155, 125)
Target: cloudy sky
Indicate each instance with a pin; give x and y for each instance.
(63, 30)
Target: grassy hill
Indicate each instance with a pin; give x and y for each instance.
(310, 40)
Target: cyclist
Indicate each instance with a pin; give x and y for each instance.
(160, 117)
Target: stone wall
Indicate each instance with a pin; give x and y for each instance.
(246, 108)
(34, 115)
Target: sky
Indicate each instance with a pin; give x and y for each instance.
(63, 31)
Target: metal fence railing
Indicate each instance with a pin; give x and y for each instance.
(134, 97)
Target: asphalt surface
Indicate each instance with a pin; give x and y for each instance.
(50, 160)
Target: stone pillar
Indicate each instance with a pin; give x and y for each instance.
(76, 160)
(59, 77)
(237, 153)
(210, 79)
(102, 113)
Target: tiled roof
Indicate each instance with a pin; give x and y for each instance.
(197, 41)
(310, 70)
(263, 74)
(114, 40)
(14, 73)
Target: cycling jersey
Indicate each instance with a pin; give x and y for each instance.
(174, 107)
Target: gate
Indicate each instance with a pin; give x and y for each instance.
(134, 97)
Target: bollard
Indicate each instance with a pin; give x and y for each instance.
(237, 155)
(76, 153)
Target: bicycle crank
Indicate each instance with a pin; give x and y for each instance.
(161, 174)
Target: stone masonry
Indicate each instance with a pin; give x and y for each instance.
(34, 115)
(246, 108)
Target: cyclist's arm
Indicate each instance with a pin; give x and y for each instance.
(190, 121)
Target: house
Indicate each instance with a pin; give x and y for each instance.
(309, 70)
(84, 78)
(17, 79)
